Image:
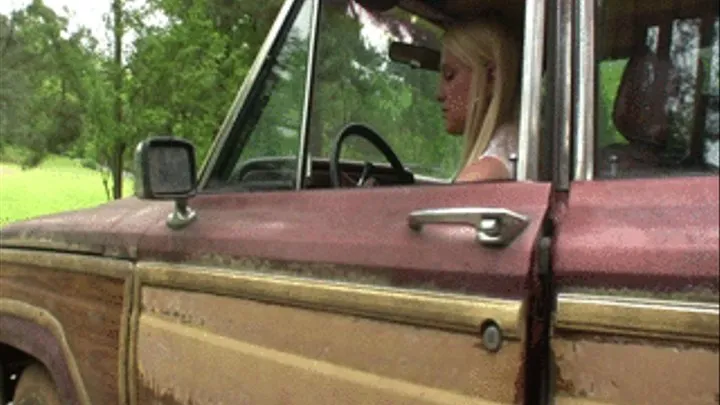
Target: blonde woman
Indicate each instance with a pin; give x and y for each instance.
(479, 92)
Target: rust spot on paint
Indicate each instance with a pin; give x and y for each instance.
(176, 315)
(150, 393)
(562, 384)
(325, 271)
(309, 270)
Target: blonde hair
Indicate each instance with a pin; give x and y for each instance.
(478, 44)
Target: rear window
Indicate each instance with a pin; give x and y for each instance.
(658, 89)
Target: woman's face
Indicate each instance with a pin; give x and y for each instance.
(454, 92)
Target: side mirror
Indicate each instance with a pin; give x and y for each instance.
(165, 170)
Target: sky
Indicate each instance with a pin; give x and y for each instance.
(90, 15)
(82, 12)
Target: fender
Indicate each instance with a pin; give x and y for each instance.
(38, 333)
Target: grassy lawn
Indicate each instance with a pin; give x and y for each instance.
(58, 184)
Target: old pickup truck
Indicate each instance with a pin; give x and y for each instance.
(272, 275)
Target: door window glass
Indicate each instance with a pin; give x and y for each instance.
(261, 152)
(658, 89)
(357, 81)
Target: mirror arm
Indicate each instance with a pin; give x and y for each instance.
(182, 216)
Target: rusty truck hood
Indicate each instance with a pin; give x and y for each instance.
(113, 229)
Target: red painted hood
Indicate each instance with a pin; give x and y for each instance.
(113, 229)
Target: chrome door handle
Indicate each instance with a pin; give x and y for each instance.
(494, 226)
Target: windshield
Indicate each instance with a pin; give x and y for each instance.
(356, 81)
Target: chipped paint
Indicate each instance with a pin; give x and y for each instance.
(321, 271)
(150, 393)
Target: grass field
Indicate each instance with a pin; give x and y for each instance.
(58, 184)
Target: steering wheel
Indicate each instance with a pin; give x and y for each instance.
(363, 131)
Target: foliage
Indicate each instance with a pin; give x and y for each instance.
(41, 81)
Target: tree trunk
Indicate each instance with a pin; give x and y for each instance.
(117, 170)
(119, 148)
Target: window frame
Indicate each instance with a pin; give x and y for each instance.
(587, 129)
(586, 89)
(251, 87)
(529, 161)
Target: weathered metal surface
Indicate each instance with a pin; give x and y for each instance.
(656, 234)
(646, 318)
(67, 262)
(456, 312)
(88, 307)
(628, 348)
(349, 228)
(634, 373)
(35, 331)
(200, 348)
(111, 229)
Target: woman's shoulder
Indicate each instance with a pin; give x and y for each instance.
(507, 132)
(504, 142)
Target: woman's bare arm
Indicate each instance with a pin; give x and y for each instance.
(484, 169)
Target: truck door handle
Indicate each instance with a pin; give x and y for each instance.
(494, 226)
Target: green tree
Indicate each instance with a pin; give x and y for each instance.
(41, 77)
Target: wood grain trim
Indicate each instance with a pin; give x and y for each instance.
(664, 319)
(123, 354)
(134, 326)
(49, 322)
(332, 371)
(463, 313)
(113, 268)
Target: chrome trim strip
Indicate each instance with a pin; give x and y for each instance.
(102, 266)
(562, 114)
(530, 111)
(462, 313)
(649, 318)
(243, 92)
(303, 165)
(586, 86)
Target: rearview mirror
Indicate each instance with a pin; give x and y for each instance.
(165, 170)
(416, 56)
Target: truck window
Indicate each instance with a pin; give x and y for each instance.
(657, 95)
(356, 81)
(263, 146)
